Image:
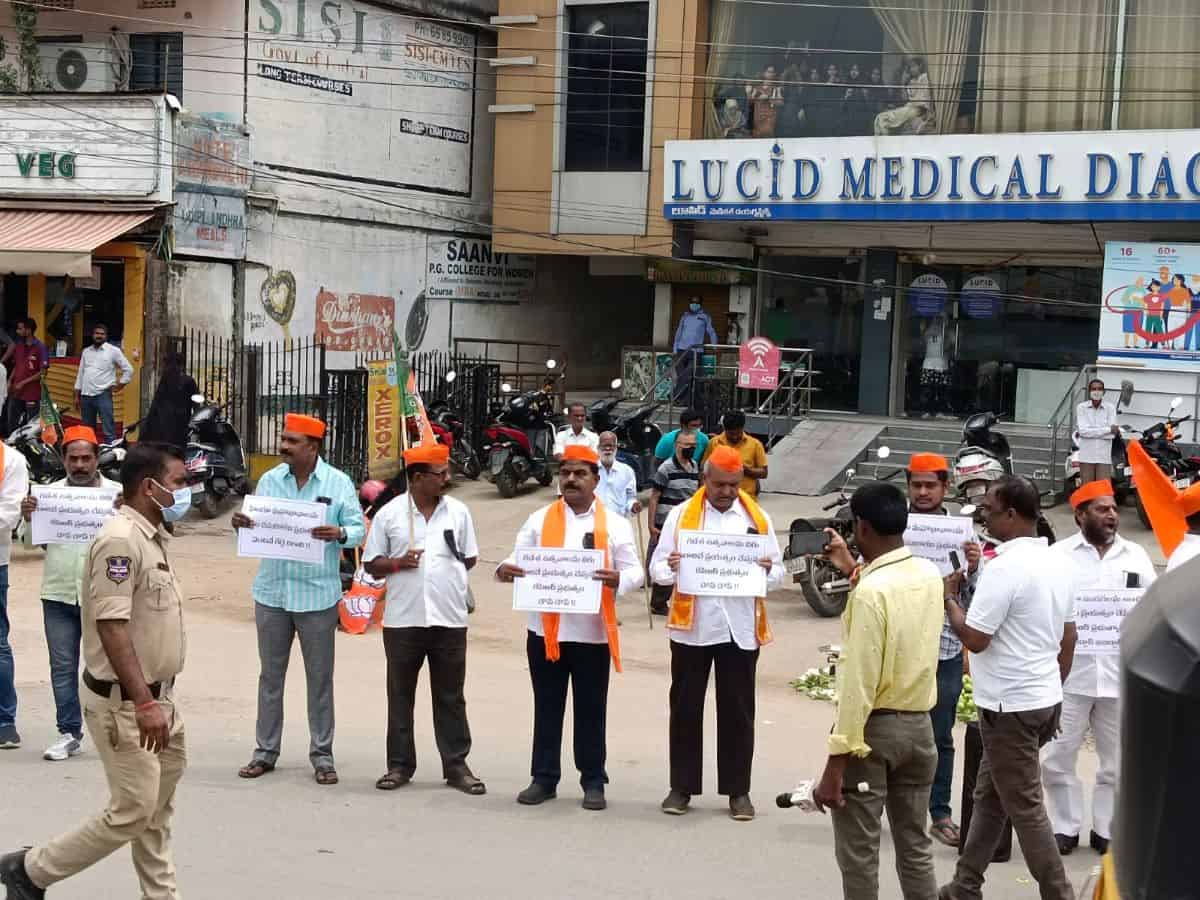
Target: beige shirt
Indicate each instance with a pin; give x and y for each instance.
(127, 578)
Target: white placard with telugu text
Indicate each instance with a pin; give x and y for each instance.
(715, 564)
(69, 515)
(558, 579)
(933, 537)
(1099, 614)
(282, 529)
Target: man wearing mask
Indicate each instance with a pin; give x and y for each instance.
(1021, 634)
(62, 579)
(928, 479)
(689, 420)
(694, 326)
(709, 632)
(575, 650)
(426, 614)
(618, 483)
(300, 599)
(101, 368)
(1097, 424)
(1100, 558)
(751, 450)
(674, 482)
(133, 649)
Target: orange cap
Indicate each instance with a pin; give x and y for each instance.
(581, 453)
(306, 425)
(928, 462)
(1093, 490)
(80, 433)
(1189, 500)
(726, 459)
(430, 454)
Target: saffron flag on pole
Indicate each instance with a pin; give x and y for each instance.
(411, 404)
(51, 420)
(1159, 498)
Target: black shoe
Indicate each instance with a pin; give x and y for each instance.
(1099, 844)
(740, 808)
(536, 794)
(593, 798)
(676, 803)
(659, 609)
(1066, 844)
(14, 877)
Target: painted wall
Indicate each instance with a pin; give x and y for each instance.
(200, 296)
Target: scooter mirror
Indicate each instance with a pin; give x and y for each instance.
(968, 510)
(197, 398)
(849, 473)
(883, 452)
(1126, 392)
(616, 384)
(450, 376)
(552, 364)
(506, 388)
(1176, 403)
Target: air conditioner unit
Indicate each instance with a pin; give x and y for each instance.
(77, 66)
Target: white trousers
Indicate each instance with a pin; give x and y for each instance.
(1063, 788)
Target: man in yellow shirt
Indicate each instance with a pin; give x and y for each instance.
(881, 750)
(751, 450)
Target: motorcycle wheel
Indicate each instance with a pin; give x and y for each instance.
(506, 482)
(469, 462)
(1141, 510)
(207, 505)
(824, 603)
(546, 477)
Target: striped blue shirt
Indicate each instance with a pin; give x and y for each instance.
(309, 587)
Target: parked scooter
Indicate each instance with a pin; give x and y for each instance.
(112, 454)
(1159, 442)
(1120, 463)
(637, 435)
(216, 464)
(520, 444)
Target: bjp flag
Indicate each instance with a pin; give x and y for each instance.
(1159, 498)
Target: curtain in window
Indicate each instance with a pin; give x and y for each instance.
(1046, 65)
(1162, 65)
(937, 31)
(722, 60)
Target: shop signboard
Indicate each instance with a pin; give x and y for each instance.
(1150, 304)
(1066, 176)
(212, 175)
(462, 268)
(383, 420)
(927, 295)
(209, 224)
(361, 322)
(980, 298)
(758, 364)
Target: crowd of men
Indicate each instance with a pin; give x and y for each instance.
(908, 630)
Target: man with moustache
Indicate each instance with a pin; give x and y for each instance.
(102, 368)
(1100, 558)
(575, 649)
(62, 579)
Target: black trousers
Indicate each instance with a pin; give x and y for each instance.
(586, 667)
(446, 649)
(735, 716)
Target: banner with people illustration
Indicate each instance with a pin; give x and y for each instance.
(1150, 304)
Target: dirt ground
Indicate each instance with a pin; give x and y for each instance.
(284, 836)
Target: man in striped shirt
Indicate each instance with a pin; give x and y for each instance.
(294, 598)
(674, 482)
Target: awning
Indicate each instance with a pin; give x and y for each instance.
(58, 242)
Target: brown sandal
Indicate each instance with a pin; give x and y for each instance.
(325, 775)
(256, 768)
(393, 779)
(945, 831)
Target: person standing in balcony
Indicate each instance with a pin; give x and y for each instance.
(694, 326)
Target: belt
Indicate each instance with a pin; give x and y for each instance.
(104, 688)
(898, 712)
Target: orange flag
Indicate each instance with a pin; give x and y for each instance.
(1159, 497)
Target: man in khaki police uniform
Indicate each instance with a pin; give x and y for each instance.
(133, 647)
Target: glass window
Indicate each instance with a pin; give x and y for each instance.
(157, 62)
(1161, 67)
(606, 87)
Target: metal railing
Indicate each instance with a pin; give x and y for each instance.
(522, 364)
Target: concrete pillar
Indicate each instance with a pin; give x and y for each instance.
(662, 316)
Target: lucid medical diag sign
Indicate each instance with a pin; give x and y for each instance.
(1072, 176)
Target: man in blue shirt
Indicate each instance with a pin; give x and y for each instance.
(689, 420)
(294, 598)
(618, 483)
(694, 326)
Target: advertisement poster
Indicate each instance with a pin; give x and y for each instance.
(383, 420)
(1150, 304)
(461, 268)
(927, 295)
(758, 364)
(360, 322)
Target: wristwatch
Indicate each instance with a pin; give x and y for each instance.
(342, 535)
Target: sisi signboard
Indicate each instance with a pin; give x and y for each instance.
(1066, 176)
(1150, 304)
(758, 364)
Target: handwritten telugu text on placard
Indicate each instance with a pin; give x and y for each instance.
(933, 537)
(558, 580)
(69, 515)
(1099, 613)
(723, 565)
(282, 530)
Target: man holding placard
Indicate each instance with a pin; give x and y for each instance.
(572, 559)
(295, 592)
(1111, 574)
(62, 577)
(423, 543)
(933, 534)
(719, 550)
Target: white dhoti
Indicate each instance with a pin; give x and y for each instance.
(1064, 788)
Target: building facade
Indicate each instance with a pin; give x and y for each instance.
(925, 198)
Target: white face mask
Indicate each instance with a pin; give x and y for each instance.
(1097, 396)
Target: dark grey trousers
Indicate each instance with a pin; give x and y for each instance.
(276, 630)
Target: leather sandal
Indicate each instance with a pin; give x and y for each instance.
(468, 784)
(393, 779)
(325, 775)
(256, 768)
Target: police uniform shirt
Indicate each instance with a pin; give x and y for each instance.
(127, 578)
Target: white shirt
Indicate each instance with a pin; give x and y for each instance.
(13, 489)
(434, 593)
(716, 619)
(1094, 427)
(98, 369)
(1188, 549)
(618, 487)
(586, 628)
(1092, 675)
(567, 437)
(1024, 598)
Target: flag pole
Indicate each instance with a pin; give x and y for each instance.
(646, 585)
(402, 391)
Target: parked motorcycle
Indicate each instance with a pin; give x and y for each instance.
(112, 454)
(463, 458)
(637, 435)
(1159, 442)
(1120, 463)
(216, 464)
(44, 461)
(519, 444)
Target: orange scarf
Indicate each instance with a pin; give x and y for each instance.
(683, 606)
(554, 533)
